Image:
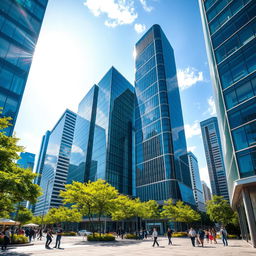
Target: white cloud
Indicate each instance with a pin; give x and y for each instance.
(145, 6)
(139, 28)
(188, 77)
(212, 107)
(192, 149)
(192, 130)
(119, 12)
(204, 175)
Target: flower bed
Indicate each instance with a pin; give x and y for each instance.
(131, 236)
(101, 238)
(17, 239)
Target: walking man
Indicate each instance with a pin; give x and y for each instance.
(169, 235)
(192, 235)
(58, 237)
(224, 236)
(48, 239)
(155, 235)
(201, 235)
(6, 238)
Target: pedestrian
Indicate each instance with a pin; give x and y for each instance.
(155, 235)
(40, 234)
(201, 235)
(210, 236)
(192, 235)
(6, 239)
(27, 232)
(224, 236)
(31, 234)
(207, 235)
(214, 235)
(58, 237)
(48, 238)
(169, 235)
(145, 233)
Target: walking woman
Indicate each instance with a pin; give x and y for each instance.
(214, 235)
(155, 235)
(169, 235)
(210, 236)
(48, 238)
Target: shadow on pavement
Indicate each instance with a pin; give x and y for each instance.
(10, 253)
(111, 244)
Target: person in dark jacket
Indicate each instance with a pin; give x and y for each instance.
(48, 238)
(6, 239)
(169, 235)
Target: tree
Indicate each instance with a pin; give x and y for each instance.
(180, 212)
(62, 214)
(219, 210)
(92, 199)
(16, 183)
(23, 215)
(151, 210)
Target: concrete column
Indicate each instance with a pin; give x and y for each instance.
(249, 215)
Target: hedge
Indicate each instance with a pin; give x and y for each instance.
(179, 234)
(16, 239)
(70, 233)
(102, 237)
(131, 236)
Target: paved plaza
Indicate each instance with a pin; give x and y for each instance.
(76, 246)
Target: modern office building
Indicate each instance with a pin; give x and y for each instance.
(20, 23)
(196, 182)
(214, 157)
(103, 138)
(230, 35)
(56, 163)
(207, 192)
(162, 169)
(27, 160)
(41, 157)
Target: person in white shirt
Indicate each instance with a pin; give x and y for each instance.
(192, 235)
(155, 235)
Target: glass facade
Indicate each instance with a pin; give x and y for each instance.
(207, 192)
(56, 163)
(27, 160)
(196, 182)
(162, 169)
(20, 23)
(41, 157)
(230, 29)
(214, 157)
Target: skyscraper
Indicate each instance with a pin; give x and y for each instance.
(56, 163)
(162, 169)
(41, 157)
(229, 29)
(102, 145)
(27, 160)
(214, 157)
(20, 23)
(207, 192)
(196, 182)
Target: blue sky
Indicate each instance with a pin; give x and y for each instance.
(81, 39)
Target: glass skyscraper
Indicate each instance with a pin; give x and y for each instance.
(56, 163)
(196, 182)
(27, 160)
(162, 170)
(207, 192)
(102, 146)
(230, 31)
(20, 23)
(214, 157)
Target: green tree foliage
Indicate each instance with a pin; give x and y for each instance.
(16, 184)
(62, 214)
(219, 210)
(150, 210)
(23, 215)
(179, 212)
(92, 199)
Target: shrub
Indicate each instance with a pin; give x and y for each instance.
(229, 236)
(17, 239)
(70, 233)
(102, 237)
(179, 234)
(131, 236)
